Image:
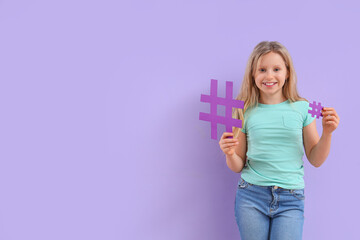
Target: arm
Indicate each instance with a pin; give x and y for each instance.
(311, 139)
(237, 161)
(318, 150)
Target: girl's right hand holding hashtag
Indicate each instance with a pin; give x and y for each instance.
(228, 145)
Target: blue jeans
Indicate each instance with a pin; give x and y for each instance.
(269, 212)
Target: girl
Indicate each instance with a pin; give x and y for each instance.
(268, 149)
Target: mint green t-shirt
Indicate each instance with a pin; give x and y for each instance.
(274, 135)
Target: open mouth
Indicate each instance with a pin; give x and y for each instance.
(270, 84)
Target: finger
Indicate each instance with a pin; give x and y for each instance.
(328, 111)
(229, 145)
(323, 112)
(226, 135)
(231, 140)
(330, 117)
(336, 116)
(228, 140)
(332, 113)
(335, 119)
(330, 122)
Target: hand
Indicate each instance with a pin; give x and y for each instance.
(330, 120)
(227, 145)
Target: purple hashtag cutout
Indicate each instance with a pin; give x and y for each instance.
(228, 102)
(316, 109)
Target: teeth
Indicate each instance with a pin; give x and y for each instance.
(269, 84)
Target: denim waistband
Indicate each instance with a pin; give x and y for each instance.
(274, 186)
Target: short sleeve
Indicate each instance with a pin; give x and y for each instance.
(308, 117)
(243, 130)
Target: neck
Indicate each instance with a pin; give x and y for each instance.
(271, 99)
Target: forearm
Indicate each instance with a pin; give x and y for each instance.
(320, 151)
(235, 163)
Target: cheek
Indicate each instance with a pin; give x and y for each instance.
(258, 84)
(258, 79)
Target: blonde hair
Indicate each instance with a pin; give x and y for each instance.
(250, 93)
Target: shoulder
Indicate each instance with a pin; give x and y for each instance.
(304, 107)
(301, 106)
(250, 111)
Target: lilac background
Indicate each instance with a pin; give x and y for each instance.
(100, 100)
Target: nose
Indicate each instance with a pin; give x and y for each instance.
(269, 75)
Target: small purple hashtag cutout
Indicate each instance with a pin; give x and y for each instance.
(228, 102)
(316, 109)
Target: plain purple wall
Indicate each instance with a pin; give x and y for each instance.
(100, 101)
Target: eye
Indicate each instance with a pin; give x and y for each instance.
(261, 69)
(277, 68)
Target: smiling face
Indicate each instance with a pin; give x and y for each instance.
(270, 76)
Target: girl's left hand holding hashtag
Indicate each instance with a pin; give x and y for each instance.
(330, 120)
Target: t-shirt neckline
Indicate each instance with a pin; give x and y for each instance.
(272, 105)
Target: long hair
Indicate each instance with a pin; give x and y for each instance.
(250, 93)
